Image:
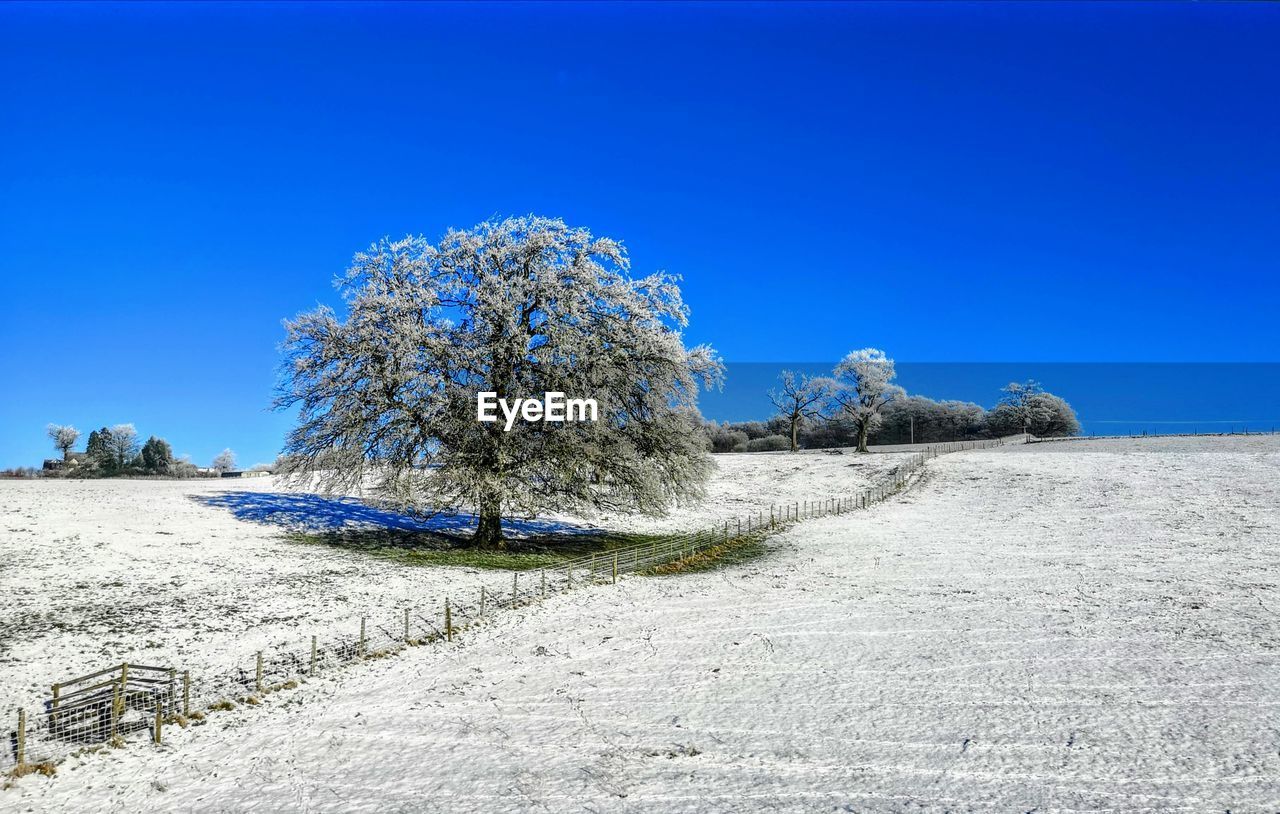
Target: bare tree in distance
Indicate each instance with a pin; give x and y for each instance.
(518, 307)
(799, 398)
(64, 437)
(225, 461)
(861, 386)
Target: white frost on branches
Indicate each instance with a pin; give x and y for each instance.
(64, 437)
(225, 461)
(862, 385)
(799, 398)
(519, 307)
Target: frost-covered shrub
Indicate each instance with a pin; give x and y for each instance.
(183, 469)
(752, 429)
(770, 443)
(827, 433)
(724, 439)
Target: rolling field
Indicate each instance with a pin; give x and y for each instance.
(1091, 626)
(202, 574)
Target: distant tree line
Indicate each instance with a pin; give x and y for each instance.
(116, 451)
(860, 405)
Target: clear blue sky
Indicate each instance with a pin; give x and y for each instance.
(949, 182)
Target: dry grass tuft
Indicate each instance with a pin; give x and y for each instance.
(45, 769)
(730, 553)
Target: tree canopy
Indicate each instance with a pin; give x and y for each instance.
(518, 307)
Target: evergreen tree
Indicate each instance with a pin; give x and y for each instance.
(99, 450)
(157, 455)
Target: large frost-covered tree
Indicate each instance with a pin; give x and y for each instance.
(861, 386)
(519, 307)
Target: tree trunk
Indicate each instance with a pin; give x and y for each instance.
(794, 426)
(489, 530)
(862, 436)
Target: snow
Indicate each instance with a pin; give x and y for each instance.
(1061, 627)
(198, 574)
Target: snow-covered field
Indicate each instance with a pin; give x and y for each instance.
(198, 575)
(1092, 626)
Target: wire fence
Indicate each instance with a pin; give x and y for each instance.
(128, 702)
(1032, 439)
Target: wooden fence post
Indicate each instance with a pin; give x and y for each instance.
(313, 656)
(515, 587)
(159, 721)
(124, 686)
(21, 745)
(186, 692)
(257, 681)
(115, 708)
(543, 577)
(615, 568)
(482, 601)
(53, 708)
(406, 625)
(360, 649)
(448, 621)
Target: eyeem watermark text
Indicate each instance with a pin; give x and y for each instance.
(553, 406)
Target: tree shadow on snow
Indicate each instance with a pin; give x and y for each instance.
(352, 520)
(353, 525)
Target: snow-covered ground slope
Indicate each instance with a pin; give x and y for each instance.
(1085, 626)
(198, 574)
